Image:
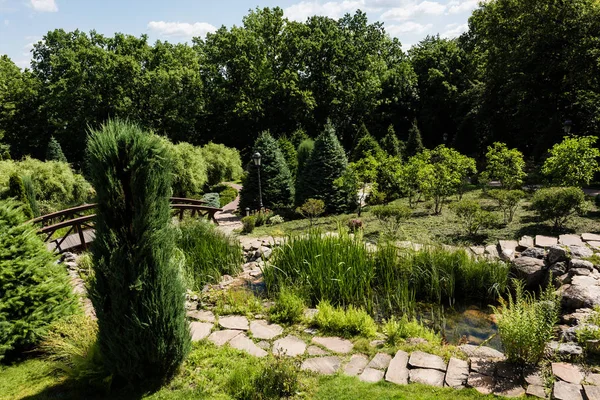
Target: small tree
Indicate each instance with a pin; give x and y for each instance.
(137, 290)
(472, 217)
(392, 217)
(16, 190)
(289, 153)
(54, 151)
(416, 177)
(311, 209)
(573, 162)
(505, 165)
(508, 201)
(388, 182)
(358, 176)
(275, 178)
(414, 144)
(390, 143)
(366, 146)
(558, 204)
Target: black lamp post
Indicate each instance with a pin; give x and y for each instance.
(256, 158)
(567, 125)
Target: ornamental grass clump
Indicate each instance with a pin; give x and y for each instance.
(397, 330)
(347, 322)
(288, 308)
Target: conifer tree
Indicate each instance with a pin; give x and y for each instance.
(54, 151)
(137, 290)
(366, 146)
(414, 144)
(289, 153)
(390, 143)
(16, 189)
(276, 181)
(303, 154)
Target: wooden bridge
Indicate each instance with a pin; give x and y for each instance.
(73, 228)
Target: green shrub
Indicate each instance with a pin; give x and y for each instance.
(209, 253)
(248, 222)
(311, 209)
(472, 217)
(397, 330)
(189, 169)
(573, 162)
(34, 290)
(589, 329)
(71, 342)
(288, 308)
(525, 324)
(505, 165)
(391, 145)
(414, 143)
(223, 163)
(349, 322)
(212, 200)
(226, 195)
(289, 153)
(355, 225)
(597, 200)
(508, 201)
(276, 220)
(54, 151)
(16, 190)
(137, 289)
(558, 204)
(276, 378)
(31, 196)
(262, 217)
(237, 301)
(366, 146)
(392, 217)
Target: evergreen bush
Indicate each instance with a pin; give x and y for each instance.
(34, 290)
(16, 190)
(558, 204)
(367, 145)
(31, 196)
(289, 153)
(390, 143)
(212, 200)
(275, 178)
(137, 289)
(414, 144)
(223, 163)
(54, 151)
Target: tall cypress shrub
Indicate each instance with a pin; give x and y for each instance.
(414, 143)
(137, 291)
(289, 153)
(16, 189)
(275, 178)
(367, 145)
(326, 164)
(54, 151)
(390, 143)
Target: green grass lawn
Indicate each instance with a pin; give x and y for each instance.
(206, 374)
(424, 227)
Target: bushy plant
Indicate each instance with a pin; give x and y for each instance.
(137, 289)
(414, 143)
(505, 165)
(356, 179)
(262, 217)
(31, 196)
(392, 217)
(227, 195)
(54, 151)
(237, 301)
(288, 307)
(289, 153)
(248, 223)
(558, 204)
(311, 209)
(35, 291)
(347, 322)
(275, 178)
(508, 201)
(396, 330)
(526, 324)
(209, 253)
(276, 220)
(472, 217)
(573, 162)
(223, 163)
(389, 181)
(391, 145)
(16, 190)
(589, 330)
(355, 225)
(276, 378)
(366, 146)
(212, 200)
(189, 169)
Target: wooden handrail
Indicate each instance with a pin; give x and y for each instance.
(61, 213)
(194, 207)
(185, 200)
(75, 221)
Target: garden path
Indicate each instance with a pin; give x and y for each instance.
(227, 221)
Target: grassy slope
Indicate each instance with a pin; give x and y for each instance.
(205, 375)
(424, 227)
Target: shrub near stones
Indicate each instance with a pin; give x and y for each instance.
(350, 322)
(558, 204)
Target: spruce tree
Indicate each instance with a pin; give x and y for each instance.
(303, 155)
(366, 146)
(137, 290)
(414, 144)
(276, 181)
(289, 153)
(34, 290)
(16, 189)
(390, 143)
(327, 163)
(54, 151)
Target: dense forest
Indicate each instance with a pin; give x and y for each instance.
(521, 70)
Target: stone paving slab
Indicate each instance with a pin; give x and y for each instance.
(457, 373)
(200, 330)
(397, 371)
(484, 384)
(238, 322)
(426, 376)
(356, 365)
(536, 391)
(594, 244)
(567, 372)
(570, 240)
(472, 350)
(315, 351)
(221, 337)
(566, 391)
(263, 344)
(592, 379)
(509, 388)
(419, 359)
(335, 344)
(380, 361)
(260, 329)
(371, 375)
(591, 392)
(533, 377)
(483, 366)
(545, 241)
(202, 315)
(323, 365)
(590, 237)
(244, 343)
(289, 346)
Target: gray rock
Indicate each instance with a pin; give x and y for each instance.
(397, 371)
(579, 272)
(577, 263)
(579, 316)
(380, 361)
(507, 249)
(483, 366)
(591, 392)
(507, 255)
(322, 365)
(335, 344)
(265, 253)
(492, 252)
(565, 350)
(289, 346)
(590, 237)
(472, 350)
(310, 313)
(201, 315)
(594, 245)
(238, 322)
(484, 384)
(534, 252)
(583, 292)
(477, 250)
(569, 334)
(508, 388)
(262, 330)
(356, 365)
(525, 242)
(533, 376)
(244, 343)
(569, 373)
(200, 330)
(592, 379)
(457, 373)
(570, 240)
(263, 344)
(536, 391)
(580, 251)
(371, 375)
(419, 359)
(545, 241)
(558, 268)
(221, 337)
(426, 376)
(556, 254)
(315, 351)
(530, 269)
(566, 391)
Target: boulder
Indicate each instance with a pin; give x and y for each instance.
(507, 245)
(557, 254)
(525, 242)
(545, 241)
(397, 371)
(565, 350)
(580, 251)
(426, 376)
(576, 263)
(419, 359)
(583, 292)
(472, 350)
(579, 271)
(530, 269)
(558, 268)
(590, 237)
(507, 255)
(570, 240)
(457, 373)
(492, 252)
(534, 252)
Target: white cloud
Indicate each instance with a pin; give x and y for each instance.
(331, 9)
(408, 27)
(413, 10)
(44, 5)
(23, 63)
(461, 6)
(454, 30)
(6, 22)
(181, 29)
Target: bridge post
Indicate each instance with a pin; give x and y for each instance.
(81, 236)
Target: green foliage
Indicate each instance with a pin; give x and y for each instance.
(392, 217)
(249, 223)
(589, 329)
(223, 164)
(508, 201)
(414, 144)
(54, 151)
(209, 253)
(237, 301)
(558, 204)
(505, 165)
(137, 289)
(391, 145)
(366, 146)
(288, 308)
(189, 169)
(275, 177)
(289, 153)
(16, 190)
(396, 330)
(212, 199)
(472, 217)
(31, 196)
(356, 179)
(573, 162)
(344, 322)
(311, 209)
(326, 164)
(35, 290)
(276, 220)
(262, 217)
(525, 324)
(390, 181)
(277, 378)
(227, 195)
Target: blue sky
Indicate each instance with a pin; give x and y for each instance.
(24, 22)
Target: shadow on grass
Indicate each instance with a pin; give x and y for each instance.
(541, 229)
(69, 390)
